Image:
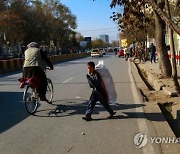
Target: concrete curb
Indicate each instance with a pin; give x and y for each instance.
(170, 91)
(156, 83)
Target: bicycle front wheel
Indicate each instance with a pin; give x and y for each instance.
(30, 100)
(49, 91)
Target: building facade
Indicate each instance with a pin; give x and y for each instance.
(104, 38)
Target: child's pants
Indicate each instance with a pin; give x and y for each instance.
(97, 96)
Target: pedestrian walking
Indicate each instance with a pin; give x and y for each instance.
(153, 52)
(98, 92)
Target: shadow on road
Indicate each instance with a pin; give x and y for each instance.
(134, 115)
(12, 110)
(70, 107)
(10, 73)
(64, 108)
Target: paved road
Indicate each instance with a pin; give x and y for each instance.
(58, 128)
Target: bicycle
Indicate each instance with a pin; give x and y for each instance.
(31, 97)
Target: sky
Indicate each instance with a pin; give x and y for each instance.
(93, 17)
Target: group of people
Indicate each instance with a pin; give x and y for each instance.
(140, 52)
(34, 67)
(150, 54)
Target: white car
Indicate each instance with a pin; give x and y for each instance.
(96, 53)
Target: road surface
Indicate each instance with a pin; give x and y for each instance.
(59, 128)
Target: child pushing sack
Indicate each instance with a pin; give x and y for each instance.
(108, 82)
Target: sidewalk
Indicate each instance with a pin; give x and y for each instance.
(154, 94)
(153, 73)
(163, 91)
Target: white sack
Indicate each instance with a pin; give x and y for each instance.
(108, 81)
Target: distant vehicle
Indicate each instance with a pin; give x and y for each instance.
(96, 53)
(120, 53)
(109, 49)
(103, 51)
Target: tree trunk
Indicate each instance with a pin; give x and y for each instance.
(173, 54)
(164, 17)
(166, 70)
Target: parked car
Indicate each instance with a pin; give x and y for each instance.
(120, 53)
(96, 53)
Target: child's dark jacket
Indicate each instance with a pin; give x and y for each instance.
(95, 81)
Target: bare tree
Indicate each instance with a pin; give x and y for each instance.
(173, 54)
(163, 16)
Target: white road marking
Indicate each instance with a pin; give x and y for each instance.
(78, 97)
(75, 61)
(148, 149)
(67, 80)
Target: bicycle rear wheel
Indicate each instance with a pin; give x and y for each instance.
(49, 91)
(30, 100)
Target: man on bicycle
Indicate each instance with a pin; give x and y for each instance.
(34, 67)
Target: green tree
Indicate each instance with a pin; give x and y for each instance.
(11, 25)
(97, 43)
(43, 21)
(63, 24)
(2, 5)
(79, 37)
(114, 43)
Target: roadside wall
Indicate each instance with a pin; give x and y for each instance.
(16, 64)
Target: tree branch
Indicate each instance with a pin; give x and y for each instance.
(164, 17)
